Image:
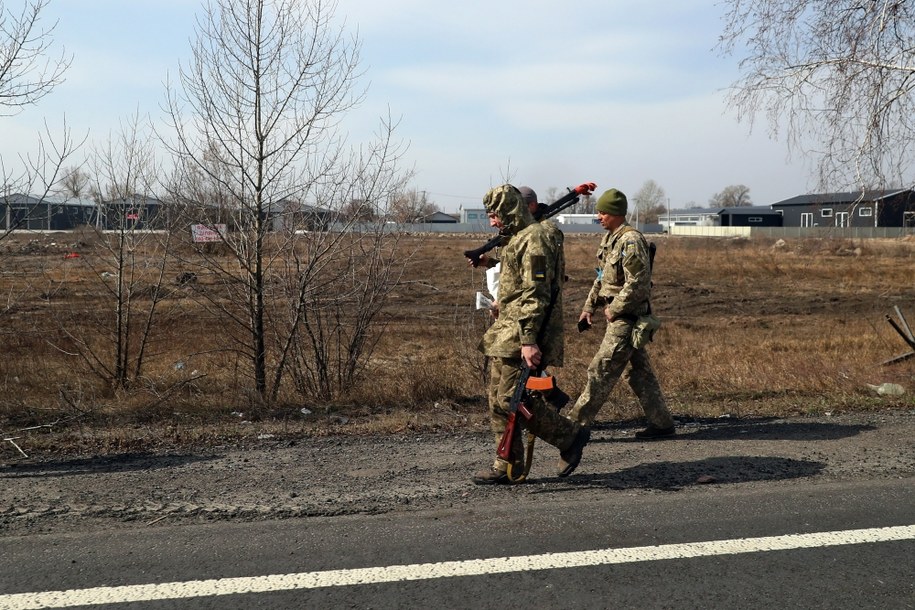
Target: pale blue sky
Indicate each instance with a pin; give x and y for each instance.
(548, 94)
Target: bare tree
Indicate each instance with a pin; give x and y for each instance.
(334, 327)
(552, 194)
(26, 186)
(74, 182)
(733, 196)
(264, 93)
(359, 210)
(410, 206)
(649, 202)
(836, 76)
(27, 71)
(126, 261)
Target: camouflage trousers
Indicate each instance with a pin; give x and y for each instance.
(546, 423)
(608, 364)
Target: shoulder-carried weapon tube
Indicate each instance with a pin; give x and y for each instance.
(566, 201)
(474, 255)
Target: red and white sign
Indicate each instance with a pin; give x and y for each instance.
(204, 233)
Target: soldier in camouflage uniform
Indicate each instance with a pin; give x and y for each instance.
(623, 289)
(529, 327)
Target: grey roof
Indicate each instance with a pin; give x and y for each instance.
(143, 200)
(849, 197)
(20, 199)
(690, 212)
(77, 201)
(438, 217)
(755, 210)
(292, 205)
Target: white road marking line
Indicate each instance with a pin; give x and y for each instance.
(445, 569)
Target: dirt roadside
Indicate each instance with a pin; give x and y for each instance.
(282, 478)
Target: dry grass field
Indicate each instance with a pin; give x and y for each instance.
(750, 327)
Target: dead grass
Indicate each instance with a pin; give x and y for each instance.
(750, 327)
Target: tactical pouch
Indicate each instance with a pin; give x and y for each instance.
(643, 330)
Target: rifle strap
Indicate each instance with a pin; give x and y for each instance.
(529, 453)
(526, 466)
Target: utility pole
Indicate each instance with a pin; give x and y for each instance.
(668, 215)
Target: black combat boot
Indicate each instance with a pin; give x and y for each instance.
(569, 459)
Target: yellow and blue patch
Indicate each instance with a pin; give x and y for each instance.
(538, 267)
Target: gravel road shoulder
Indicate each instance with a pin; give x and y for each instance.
(347, 475)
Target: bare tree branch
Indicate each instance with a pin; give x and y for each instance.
(256, 115)
(27, 72)
(836, 77)
(733, 196)
(649, 202)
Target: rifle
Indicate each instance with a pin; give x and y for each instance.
(544, 212)
(517, 405)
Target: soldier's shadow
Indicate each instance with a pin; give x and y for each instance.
(125, 462)
(673, 476)
(744, 429)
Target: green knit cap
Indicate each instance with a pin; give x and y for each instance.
(612, 202)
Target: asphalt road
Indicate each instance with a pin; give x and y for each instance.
(837, 571)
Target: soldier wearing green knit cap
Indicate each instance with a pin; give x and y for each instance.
(613, 203)
(622, 290)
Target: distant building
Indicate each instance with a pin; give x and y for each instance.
(894, 208)
(135, 212)
(690, 217)
(750, 216)
(56, 213)
(289, 214)
(437, 217)
(51, 213)
(577, 219)
(473, 216)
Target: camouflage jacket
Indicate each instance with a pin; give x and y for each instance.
(623, 281)
(552, 231)
(530, 291)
